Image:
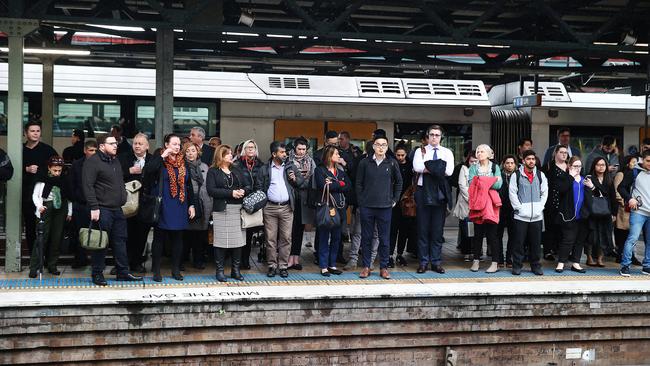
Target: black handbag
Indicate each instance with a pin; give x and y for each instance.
(327, 214)
(198, 206)
(254, 202)
(600, 207)
(149, 210)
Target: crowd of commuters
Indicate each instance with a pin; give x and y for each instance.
(552, 209)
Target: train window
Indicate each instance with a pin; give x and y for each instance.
(3, 114)
(93, 116)
(586, 139)
(186, 116)
(458, 138)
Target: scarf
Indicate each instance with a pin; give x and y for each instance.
(174, 183)
(304, 163)
(195, 171)
(53, 185)
(250, 162)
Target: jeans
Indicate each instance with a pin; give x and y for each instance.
(637, 223)
(328, 246)
(431, 223)
(381, 218)
(112, 221)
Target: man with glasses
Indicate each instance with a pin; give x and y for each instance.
(378, 187)
(563, 138)
(103, 186)
(433, 166)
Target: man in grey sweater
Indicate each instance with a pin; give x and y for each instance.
(103, 186)
(635, 190)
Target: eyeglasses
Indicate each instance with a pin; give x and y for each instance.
(435, 135)
(383, 146)
(562, 152)
(576, 166)
(111, 143)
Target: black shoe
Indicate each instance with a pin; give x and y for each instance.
(199, 266)
(54, 271)
(401, 261)
(334, 271)
(138, 268)
(391, 262)
(560, 270)
(625, 271)
(636, 261)
(438, 269)
(99, 280)
(284, 273)
(246, 265)
(128, 277)
(297, 267)
(113, 271)
(325, 273)
(221, 277)
(272, 272)
(579, 270)
(516, 271)
(422, 269)
(32, 274)
(537, 271)
(549, 257)
(157, 277)
(177, 276)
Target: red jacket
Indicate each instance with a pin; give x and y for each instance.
(484, 202)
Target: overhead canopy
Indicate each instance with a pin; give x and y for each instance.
(599, 43)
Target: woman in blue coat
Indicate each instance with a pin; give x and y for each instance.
(177, 204)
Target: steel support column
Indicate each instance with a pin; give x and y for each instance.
(164, 83)
(47, 107)
(16, 29)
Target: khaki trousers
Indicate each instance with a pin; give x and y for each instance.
(278, 221)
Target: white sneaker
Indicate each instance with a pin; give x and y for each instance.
(474, 267)
(493, 268)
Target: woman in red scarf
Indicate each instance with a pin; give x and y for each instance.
(168, 176)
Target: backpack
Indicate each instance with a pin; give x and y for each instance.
(538, 173)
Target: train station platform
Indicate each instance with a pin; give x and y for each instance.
(458, 318)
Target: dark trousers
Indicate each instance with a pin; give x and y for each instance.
(527, 233)
(297, 229)
(369, 218)
(506, 224)
(431, 222)
(488, 231)
(137, 240)
(402, 231)
(329, 241)
(29, 218)
(81, 219)
(175, 239)
(53, 221)
(113, 221)
(246, 249)
(620, 236)
(553, 234)
(195, 241)
(574, 235)
(465, 239)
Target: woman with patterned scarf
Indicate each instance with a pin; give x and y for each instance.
(303, 214)
(249, 164)
(177, 205)
(52, 208)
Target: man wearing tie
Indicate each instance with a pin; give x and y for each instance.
(432, 163)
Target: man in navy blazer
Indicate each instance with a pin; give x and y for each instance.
(197, 135)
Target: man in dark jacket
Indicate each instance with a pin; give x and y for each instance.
(103, 186)
(76, 151)
(432, 195)
(277, 180)
(378, 186)
(133, 163)
(197, 136)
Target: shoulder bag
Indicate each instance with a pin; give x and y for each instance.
(93, 239)
(600, 207)
(327, 214)
(149, 210)
(130, 208)
(254, 202)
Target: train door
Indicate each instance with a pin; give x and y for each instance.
(314, 131)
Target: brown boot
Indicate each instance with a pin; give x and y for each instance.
(590, 261)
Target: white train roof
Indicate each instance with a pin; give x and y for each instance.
(262, 87)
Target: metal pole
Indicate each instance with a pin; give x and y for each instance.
(164, 83)
(15, 151)
(47, 107)
(647, 95)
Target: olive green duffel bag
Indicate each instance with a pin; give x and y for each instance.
(93, 239)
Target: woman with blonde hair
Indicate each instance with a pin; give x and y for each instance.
(196, 236)
(227, 187)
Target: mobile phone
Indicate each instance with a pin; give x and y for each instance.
(588, 177)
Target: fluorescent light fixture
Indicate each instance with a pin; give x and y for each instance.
(240, 34)
(99, 101)
(446, 44)
(492, 46)
(118, 27)
(300, 68)
(302, 37)
(352, 39)
(605, 44)
(51, 51)
(279, 36)
(70, 100)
